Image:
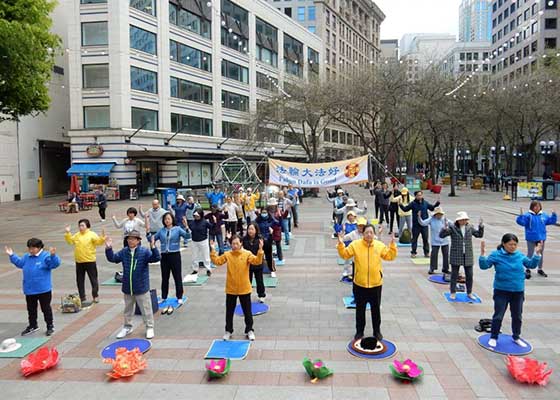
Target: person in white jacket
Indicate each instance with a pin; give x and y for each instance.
(437, 222)
(351, 206)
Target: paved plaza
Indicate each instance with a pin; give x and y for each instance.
(306, 318)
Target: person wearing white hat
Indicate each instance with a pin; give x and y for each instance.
(461, 233)
(436, 222)
(337, 200)
(179, 211)
(351, 206)
(349, 226)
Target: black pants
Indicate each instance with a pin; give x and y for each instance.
(384, 213)
(394, 217)
(267, 248)
(434, 258)
(102, 212)
(231, 227)
(377, 208)
(295, 215)
(44, 300)
(171, 264)
(91, 269)
(362, 297)
(278, 244)
(501, 300)
(240, 226)
(257, 272)
(416, 232)
(231, 302)
(455, 275)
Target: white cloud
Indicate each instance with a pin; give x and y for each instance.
(417, 16)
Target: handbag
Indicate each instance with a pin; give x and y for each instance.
(118, 276)
(70, 303)
(155, 305)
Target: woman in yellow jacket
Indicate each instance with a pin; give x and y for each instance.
(368, 276)
(237, 281)
(85, 242)
(250, 202)
(404, 216)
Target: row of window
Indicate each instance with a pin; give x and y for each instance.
(187, 90)
(190, 21)
(187, 55)
(341, 137)
(549, 5)
(549, 44)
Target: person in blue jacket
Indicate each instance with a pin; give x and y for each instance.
(419, 208)
(179, 211)
(170, 238)
(216, 197)
(437, 222)
(509, 283)
(37, 265)
(265, 221)
(135, 260)
(535, 222)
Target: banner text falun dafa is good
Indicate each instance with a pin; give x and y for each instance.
(318, 175)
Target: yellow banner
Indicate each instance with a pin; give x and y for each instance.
(320, 174)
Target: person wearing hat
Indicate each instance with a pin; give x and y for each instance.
(135, 286)
(199, 228)
(405, 217)
(250, 204)
(436, 222)
(37, 266)
(419, 204)
(461, 233)
(351, 206)
(179, 212)
(348, 227)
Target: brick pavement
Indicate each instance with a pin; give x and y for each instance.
(307, 318)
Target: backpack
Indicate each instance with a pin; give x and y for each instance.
(71, 303)
(406, 236)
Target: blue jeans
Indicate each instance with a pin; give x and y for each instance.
(501, 300)
(286, 229)
(220, 239)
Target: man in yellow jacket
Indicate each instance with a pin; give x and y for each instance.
(368, 276)
(85, 243)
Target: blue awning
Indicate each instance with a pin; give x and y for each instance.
(90, 169)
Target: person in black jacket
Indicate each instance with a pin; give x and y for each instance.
(251, 242)
(394, 208)
(201, 248)
(422, 206)
(102, 204)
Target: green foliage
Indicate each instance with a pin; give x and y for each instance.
(27, 49)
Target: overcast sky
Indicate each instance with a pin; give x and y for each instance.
(418, 16)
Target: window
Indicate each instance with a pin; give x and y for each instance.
(95, 76)
(235, 71)
(549, 43)
(187, 55)
(147, 6)
(267, 82)
(293, 56)
(95, 33)
(145, 119)
(534, 9)
(550, 23)
(534, 28)
(234, 130)
(311, 28)
(191, 125)
(195, 174)
(235, 101)
(143, 40)
(311, 13)
(534, 46)
(190, 21)
(267, 43)
(142, 79)
(327, 17)
(526, 14)
(191, 91)
(233, 40)
(96, 117)
(313, 60)
(469, 56)
(235, 30)
(301, 14)
(526, 51)
(288, 11)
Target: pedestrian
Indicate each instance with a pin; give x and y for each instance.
(405, 217)
(351, 206)
(285, 208)
(199, 227)
(419, 204)
(535, 222)
(240, 212)
(85, 242)
(237, 283)
(276, 235)
(216, 219)
(129, 224)
(37, 265)
(216, 197)
(384, 195)
(377, 194)
(337, 200)
(294, 195)
(264, 221)
(394, 208)
(436, 222)
(153, 218)
(509, 283)
(102, 204)
(250, 200)
(461, 233)
(349, 226)
(368, 276)
(251, 242)
(231, 210)
(514, 184)
(170, 242)
(179, 212)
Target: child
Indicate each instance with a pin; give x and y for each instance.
(85, 243)
(37, 282)
(509, 283)
(436, 223)
(135, 260)
(461, 233)
(237, 283)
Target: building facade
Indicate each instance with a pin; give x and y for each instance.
(468, 58)
(390, 50)
(524, 33)
(475, 21)
(161, 91)
(423, 50)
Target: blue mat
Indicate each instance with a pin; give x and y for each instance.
(349, 302)
(130, 344)
(231, 349)
(399, 244)
(279, 262)
(171, 301)
(505, 345)
(437, 279)
(390, 351)
(256, 309)
(462, 298)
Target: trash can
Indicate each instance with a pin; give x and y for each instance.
(549, 190)
(166, 196)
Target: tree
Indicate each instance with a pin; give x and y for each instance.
(27, 50)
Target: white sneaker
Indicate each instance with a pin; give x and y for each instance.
(227, 336)
(261, 299)
(180, 302)
(520, 343)
(492, 343)
(472, 296)
(102, 220)
(124, 332)
(273, 274)
(251, 335)
(150, 333)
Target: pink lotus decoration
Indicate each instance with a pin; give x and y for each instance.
(218, 368)
(41, 360)
(406, 370)
(528, 370)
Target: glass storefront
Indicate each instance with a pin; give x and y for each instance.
(147, 172)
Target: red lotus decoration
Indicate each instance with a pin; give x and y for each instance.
(126, 363)
(528, 370)
(41, 360)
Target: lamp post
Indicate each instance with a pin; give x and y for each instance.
(547, 148)
(268, 152)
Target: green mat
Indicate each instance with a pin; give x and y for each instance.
(28, 346)
(420, 261)
(201, 280)
(111, 282)
(268, 282)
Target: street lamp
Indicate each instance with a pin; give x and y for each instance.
(517, 155)
(547, 148)
(268, 152)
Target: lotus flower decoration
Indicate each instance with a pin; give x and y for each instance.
(406, 370)
(218, 368)
(528, 370)
(41, 360)
(126, 363)
(316, 369)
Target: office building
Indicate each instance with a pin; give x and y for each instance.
(475, 21)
